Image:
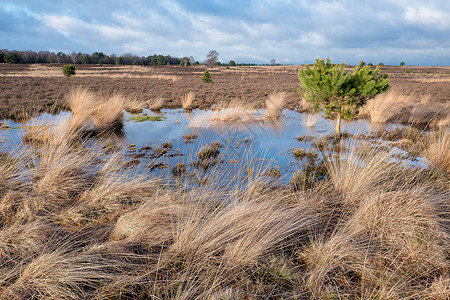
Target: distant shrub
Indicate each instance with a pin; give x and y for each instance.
(206, 77)
(361, 63)
(68, 70)
(381, 64)
(408, 71)
(232, 63)
(402, 63)
(370, 64)
(2, 55)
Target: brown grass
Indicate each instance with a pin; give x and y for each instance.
(407, 108)
(187, 99)
(156, 104)
(72, 229)
(274, 104)
(437, 150)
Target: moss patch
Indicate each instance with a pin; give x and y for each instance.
(144, 118)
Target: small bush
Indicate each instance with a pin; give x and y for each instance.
(402, 63)
(206, 77)
(408, 71)
(68, 70)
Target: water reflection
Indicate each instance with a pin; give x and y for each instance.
(250, 145)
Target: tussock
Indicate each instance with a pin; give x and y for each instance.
(90, 112)
(406, 108)
(437, 150)
(156, 104)
(187, 99)
(274, 104)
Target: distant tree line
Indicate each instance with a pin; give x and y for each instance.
(47, 57)
(32, 57)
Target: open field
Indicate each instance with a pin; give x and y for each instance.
(364, 215)
(34, 88)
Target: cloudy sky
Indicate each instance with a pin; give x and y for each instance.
(290, 31)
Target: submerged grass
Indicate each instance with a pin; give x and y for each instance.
(144, 118)
(354, 227)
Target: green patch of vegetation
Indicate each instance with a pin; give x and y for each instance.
(68, 70)
(206, 77)
(329, 88)
(144, 118)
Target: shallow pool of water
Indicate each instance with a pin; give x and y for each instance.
(247, 148)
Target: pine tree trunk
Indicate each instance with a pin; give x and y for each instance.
(338, 124)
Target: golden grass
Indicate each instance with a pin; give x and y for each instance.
(75, 230)
(408, 108)
(91, 112)
(187, 99)
(437, 150)
(274, 104)
(156, 104)
(310, 120)
(43, 71)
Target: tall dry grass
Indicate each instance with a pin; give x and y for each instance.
(437, 150)
(274, 104)
(310, 120)
(72, 229)
(187, 99)
(407, 108)
(156, 104)
(92, 112)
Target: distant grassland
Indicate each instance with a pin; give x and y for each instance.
(28, 89)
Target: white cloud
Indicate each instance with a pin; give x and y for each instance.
(427, 16)
(80, 30)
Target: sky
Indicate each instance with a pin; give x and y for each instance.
(416, 32)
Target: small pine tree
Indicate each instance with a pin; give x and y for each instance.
(338, 93)
(68, 70)
(206, 77)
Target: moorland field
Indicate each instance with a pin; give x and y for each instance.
(355, 220)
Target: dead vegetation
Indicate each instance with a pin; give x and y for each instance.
(407, 108)
(70, 228)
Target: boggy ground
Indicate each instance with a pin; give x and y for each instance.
(33, 88)
(74, 225)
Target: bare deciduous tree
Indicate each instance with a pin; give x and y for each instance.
(272, 62)
(212, 57)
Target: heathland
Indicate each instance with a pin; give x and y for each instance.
(355, 220)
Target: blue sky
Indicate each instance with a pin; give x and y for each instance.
(290, 31)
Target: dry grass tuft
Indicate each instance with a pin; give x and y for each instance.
(156, 104)
(187, 99)
(310, 120)
(437, 150)
(406, 108)
(90, 112)
(274, 104)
